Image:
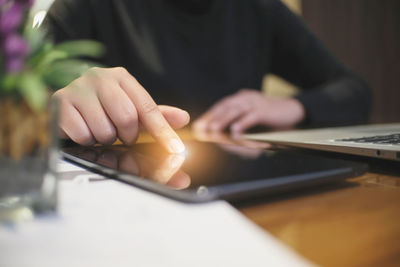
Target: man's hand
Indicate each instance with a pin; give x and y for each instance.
(249, 108)
(104, 104)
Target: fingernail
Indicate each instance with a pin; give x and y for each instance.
(176, 146)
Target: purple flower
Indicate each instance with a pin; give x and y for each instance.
(3, 2)
(14, 48)
(28, 2)
(12, 13)
(15, 45)
(14, 65)
(11, 19)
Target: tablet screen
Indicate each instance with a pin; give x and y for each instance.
(205, 165)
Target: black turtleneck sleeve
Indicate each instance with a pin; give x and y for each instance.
(330, 93)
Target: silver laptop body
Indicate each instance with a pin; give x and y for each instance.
(377, 140)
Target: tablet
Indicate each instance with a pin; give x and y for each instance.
(208, 171)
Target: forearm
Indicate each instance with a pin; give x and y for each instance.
(331, 94)
(346, 100)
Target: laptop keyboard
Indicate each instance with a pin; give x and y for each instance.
(390, 139)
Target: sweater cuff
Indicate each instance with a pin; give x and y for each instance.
(318, 109)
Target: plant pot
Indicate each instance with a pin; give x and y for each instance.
(28, 157)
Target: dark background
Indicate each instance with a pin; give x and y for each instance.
(365, 36)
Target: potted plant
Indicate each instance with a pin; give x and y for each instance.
(31, 67)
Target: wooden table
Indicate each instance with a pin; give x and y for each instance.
(354, 224)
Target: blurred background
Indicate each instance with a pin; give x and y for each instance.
(363, 34)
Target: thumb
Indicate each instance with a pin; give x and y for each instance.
(176, 117)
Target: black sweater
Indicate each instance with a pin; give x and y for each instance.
(192, 57)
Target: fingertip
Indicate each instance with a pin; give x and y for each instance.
(179, 120)
(175, 145)
(176, 117)
(185, 117)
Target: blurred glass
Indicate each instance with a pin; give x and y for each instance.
(28, 158)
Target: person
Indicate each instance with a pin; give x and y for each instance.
(205, 56)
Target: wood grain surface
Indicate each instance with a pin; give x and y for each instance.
(353, 224)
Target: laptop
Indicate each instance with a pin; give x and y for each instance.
(376, 140)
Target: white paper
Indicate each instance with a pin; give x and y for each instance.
(107, 223)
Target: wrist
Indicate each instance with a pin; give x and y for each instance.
(296, 110)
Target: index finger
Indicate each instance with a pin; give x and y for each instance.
(149, 114)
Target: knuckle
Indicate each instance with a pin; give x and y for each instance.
(93, 71)
(96, 69)
(62, 99)
(120, 70)
(89, 77)
(107, 135)
(97, 74)
(59, 94)
(83, 138)
(127, 120)
(148, 107)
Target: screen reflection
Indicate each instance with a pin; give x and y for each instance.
(150, 161)
(164, 169)
(205, 164)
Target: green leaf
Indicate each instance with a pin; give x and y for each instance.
(65, 71)
(47, 59)
(1, 69)
(33, 90)
(81, 48)
(9, 82)
(36, 37)
(37, 57)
